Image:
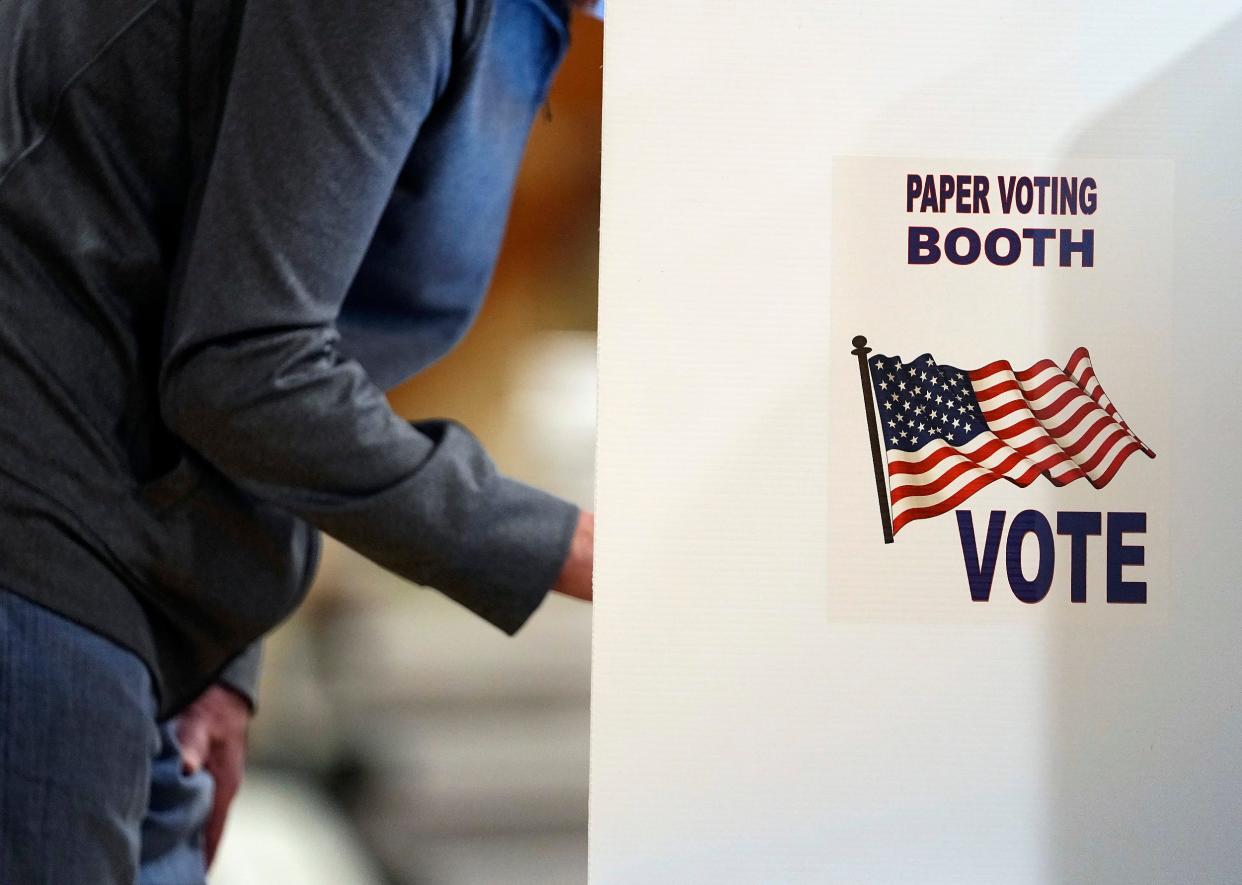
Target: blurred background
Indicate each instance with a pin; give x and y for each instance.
(400, 739)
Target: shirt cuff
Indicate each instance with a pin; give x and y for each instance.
(242, 674)
(514, 553)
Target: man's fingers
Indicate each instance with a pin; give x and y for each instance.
(225, 766)
(194, 736)
(212, 734)
(575, 577)
(215, 828)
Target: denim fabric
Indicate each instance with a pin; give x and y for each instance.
(173, 829)
(91, 789)
(226, 228)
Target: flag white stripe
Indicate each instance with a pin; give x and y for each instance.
(943, 495)
(897, 456)
(988, 465)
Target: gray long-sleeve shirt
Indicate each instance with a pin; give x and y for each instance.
(226, 226)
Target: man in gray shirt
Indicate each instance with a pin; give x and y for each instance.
(226, 227)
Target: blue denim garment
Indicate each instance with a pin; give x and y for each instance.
(226, 228)
(172, 837)
(421, 283)
(91, 789)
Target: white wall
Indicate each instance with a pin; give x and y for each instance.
(744, 730)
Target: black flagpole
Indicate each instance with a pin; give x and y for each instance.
(881, 486)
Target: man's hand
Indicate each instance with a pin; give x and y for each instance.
(212, 734)
(575, 579)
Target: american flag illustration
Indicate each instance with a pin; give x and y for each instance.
(946, 432)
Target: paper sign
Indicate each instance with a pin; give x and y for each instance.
(1016, 317)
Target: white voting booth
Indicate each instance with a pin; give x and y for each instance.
(1036, 681)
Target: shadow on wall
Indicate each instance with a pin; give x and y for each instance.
(1168, 689)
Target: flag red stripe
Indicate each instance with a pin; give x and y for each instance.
(1074, 448)
(1120, 458)
(944, 506)
(936, 485)
(1105, 449)
(1008, 386)
(1005, 366)
(944, 480)
(1069, 424)
(1088, 439)
(1067, 477)
(1078, 356)
(1066, 427)
(980, 454)
(1087, 375)
(1048, 411)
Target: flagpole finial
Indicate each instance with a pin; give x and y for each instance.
(860, 344)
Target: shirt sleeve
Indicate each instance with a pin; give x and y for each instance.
(242, 674)
(322, 106)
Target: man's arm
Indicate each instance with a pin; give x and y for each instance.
(323, 105)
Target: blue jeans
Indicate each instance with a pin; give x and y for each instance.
(91, 788)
